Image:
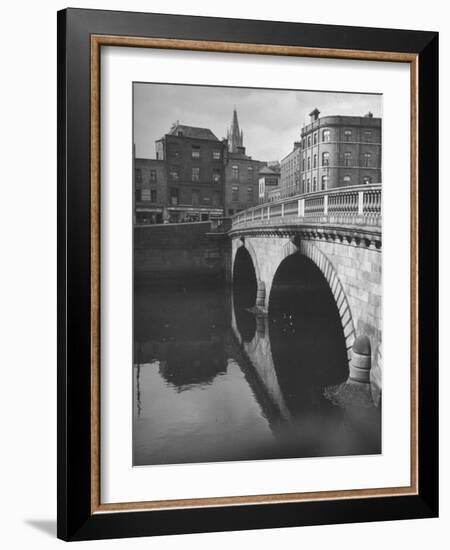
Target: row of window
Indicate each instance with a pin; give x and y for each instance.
(347, 160)
(195, 198)
(196, 153)
(235, 172)
(174, 174)
(235, 194)
(145, 195)
(326, 136)
(138, 175)
(346, 180)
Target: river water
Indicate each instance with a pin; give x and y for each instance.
(214, 381)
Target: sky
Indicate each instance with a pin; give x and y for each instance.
(271, 119)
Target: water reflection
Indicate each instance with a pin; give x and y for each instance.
(215, 382)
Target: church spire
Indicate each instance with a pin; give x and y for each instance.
(236, 136)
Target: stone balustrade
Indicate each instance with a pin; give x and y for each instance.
(346, 206)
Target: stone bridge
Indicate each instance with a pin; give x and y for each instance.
(339, 231)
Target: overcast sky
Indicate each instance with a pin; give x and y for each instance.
(271, 119)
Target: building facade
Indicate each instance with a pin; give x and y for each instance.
(241, 172)
(269, 181)
(194, 160)
(338, 151)
(290, 176)
(150, 178)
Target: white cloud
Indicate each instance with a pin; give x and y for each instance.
(271, 119)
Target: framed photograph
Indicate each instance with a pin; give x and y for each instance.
(247, 255)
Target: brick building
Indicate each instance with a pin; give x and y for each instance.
(241, 172)
(150, 190)
(269, 180)
(194, 161)
(337, 151)
(290, 176)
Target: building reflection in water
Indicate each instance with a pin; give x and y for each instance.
(215, 381)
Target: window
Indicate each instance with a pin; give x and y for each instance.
(175, 152)
(315, 138)
(324, 183)
(367, 136)
(347, 135)
(315, 161)
(179, 133)
(367, 158)
(347, 158)
(153, 195)
(216, 176)
(145, 194)
(303, 185)
(367, 180)
(309, 163)
(216, 155)
(152, 175)
(314, 184)
(326, 135)
(308, 185)
(250, 173)
(249, 194)
(230, 211)
(195, 151)
(173, 173)
(309, 141)
(216, 199)
(303, 164)
(174, 196)
(325, 159)
(138, 174)
(195, 173)
(235, 193)
(195, 197)
(347, 180)
(235, 172)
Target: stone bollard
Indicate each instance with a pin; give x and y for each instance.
(360, 362)
(261, 295)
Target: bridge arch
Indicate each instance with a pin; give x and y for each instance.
(247, 245)
(307, 248)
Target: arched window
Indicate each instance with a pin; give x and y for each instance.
(367, 159)
(367, 180)
(324, 184)
(325, 159)
(326, 135)
(347, 180)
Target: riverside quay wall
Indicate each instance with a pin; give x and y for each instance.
(182, 251)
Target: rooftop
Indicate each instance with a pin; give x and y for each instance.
(265, 170)
(192, 132)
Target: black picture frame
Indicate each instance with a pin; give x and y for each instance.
(76, 520)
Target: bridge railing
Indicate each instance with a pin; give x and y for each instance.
(359, 205)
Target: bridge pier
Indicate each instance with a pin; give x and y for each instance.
(261, 296)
